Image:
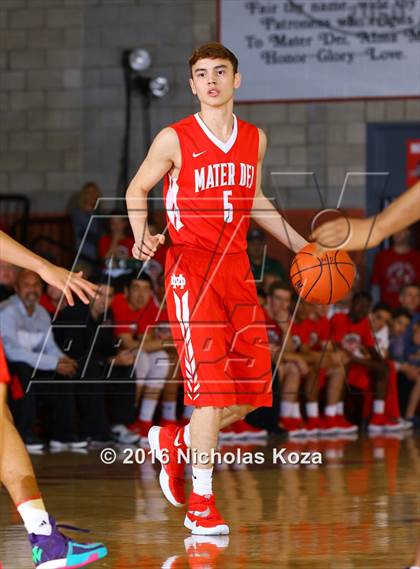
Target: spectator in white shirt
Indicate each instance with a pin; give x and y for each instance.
(37, 361)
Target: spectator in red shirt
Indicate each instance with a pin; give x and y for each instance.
(353, 336)
(395, 267)
(322, 365)
(292, 367)
(51, 299)
(136, 317)
(117, 243)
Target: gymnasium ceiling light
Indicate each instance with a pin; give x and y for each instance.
(139, 59)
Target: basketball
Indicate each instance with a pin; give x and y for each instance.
(322, 278)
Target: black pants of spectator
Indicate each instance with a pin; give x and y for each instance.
(49, 388)
(404, 389)
(121, 391)
(91, 403)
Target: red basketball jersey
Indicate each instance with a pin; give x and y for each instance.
(208, 205)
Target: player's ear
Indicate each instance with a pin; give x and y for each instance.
(194, 92)
(237, 80)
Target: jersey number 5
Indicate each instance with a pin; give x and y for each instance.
(227, 206)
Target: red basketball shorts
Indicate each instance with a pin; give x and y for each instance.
(218, 328)
(358, 376)
(4, 370)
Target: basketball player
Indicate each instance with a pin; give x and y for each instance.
(212, 163)
(50, 548)
(353, 234)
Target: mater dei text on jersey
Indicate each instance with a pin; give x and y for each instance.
(224, 174)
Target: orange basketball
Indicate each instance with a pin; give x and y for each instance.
(322, 278)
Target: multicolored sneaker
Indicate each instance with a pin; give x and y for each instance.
(203, 518)
(56, 551)
(165, 444)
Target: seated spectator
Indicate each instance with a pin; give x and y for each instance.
(409, 298)
(86, 332)
(413, 359)
(135, 313)
(394, 268)
(380, 318)
(259, 261)
(399, 326)
(34, 357)
(291, 368)
(53, 300)
(399, 350)
(8, 275)
(324, 370)
(262, 296)
(352, 335)
(340, 307)
(87, 231)
(115, 246)
(268, 280)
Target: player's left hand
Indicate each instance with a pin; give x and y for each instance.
(147, 247)
(68, 282)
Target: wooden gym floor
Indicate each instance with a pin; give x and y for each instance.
(359, 509)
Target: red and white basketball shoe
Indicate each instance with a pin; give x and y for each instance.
(166, 444)
(344, 426)
(381, 423)
(203, 518)
(244, 430)
(312, 426)
(329, 426)
(168, 423)
(141, 427)
(294, 427)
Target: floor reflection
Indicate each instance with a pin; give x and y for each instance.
(359, 508)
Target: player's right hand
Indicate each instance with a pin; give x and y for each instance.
(66, 366)
(146, 248)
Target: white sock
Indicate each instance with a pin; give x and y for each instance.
(340, 408)
(286, 409)
(35, 517)
(312, 409)
(188, 411)
(202, 480)
(187, 437)
(147, 409)
(379, 406)
(296, 411)
(330, 410)
(169, 410)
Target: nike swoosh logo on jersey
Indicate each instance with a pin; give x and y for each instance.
(177, 442)
(196, 154)
(199, 514)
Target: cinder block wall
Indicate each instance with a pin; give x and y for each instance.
(62, 102)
